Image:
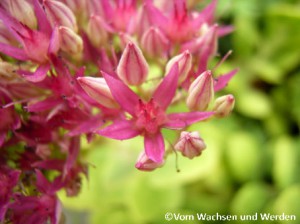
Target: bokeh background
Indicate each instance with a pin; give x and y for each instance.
(252, 160)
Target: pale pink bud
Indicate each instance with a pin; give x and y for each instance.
(97, 89)
(155, 43)
(224, 105)
(97, 30)
(126, 38)
(133, 67)
(22, 11)
(184, 61)
(70, 42)
(145, 164)
(201, 92)
(60, 14)
(76, 5)
(190, 144)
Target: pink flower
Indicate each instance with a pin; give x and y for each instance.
(148, 117)
(10, 119)
(8, 180)
(190, 144)
(224, 105)
(145, 164)
(201, 92)
(37, 209)
(37, 45)
(132, 68)
(178, 24)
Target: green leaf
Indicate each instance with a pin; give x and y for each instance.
(250, 199)
(286, 160)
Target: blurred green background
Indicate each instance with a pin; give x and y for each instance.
(252, 160)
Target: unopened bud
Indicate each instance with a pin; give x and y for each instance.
(190, 144)
(98, 89)
(22, 11)
(155, 43)
(70, 42)
(184, 61)
(97, 30)
(76, 5)
(201, 92)
(60, 14)
(133, 67)
(145, 164)
(224, 105)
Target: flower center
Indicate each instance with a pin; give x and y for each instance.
(149, 117)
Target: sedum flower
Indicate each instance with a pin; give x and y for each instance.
(184, 61)
(36, 44)
(145, 164)
(98, 30)
(8, 180)
(224, 105)
(155, 43)
(201, 92)
(22, 11)
(70, 42)
(190, 144)
(60, 14)
(37, 209)
(98, 89)
(132, 68)
(148, 117)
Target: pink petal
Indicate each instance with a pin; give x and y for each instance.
(155, 147)
(54, 42)
(119, 130)
(39, 74)
(51, 164)
(181, 120)
(208, 12)
(72, 155)
(56, 216)
(14, 52)
(223, 80)
(165, 92)
(107, 9)
(42, 183)
(156, 16)
(127, 99)
(43, 105)
(13, 25)
(208, 48)
(43, 22)
(90, 125)
(224, 30)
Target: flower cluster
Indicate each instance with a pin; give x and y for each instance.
(70, 68)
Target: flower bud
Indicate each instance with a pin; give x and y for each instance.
(224, 105)
(59, 14)
(76, 5)
(132, 68)
(22, 11)
(145, 164)
(70, 42)
(155, 43)
(201, 92)
(184, 61)
(190, 144)
(97, 89)
(97, 30)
